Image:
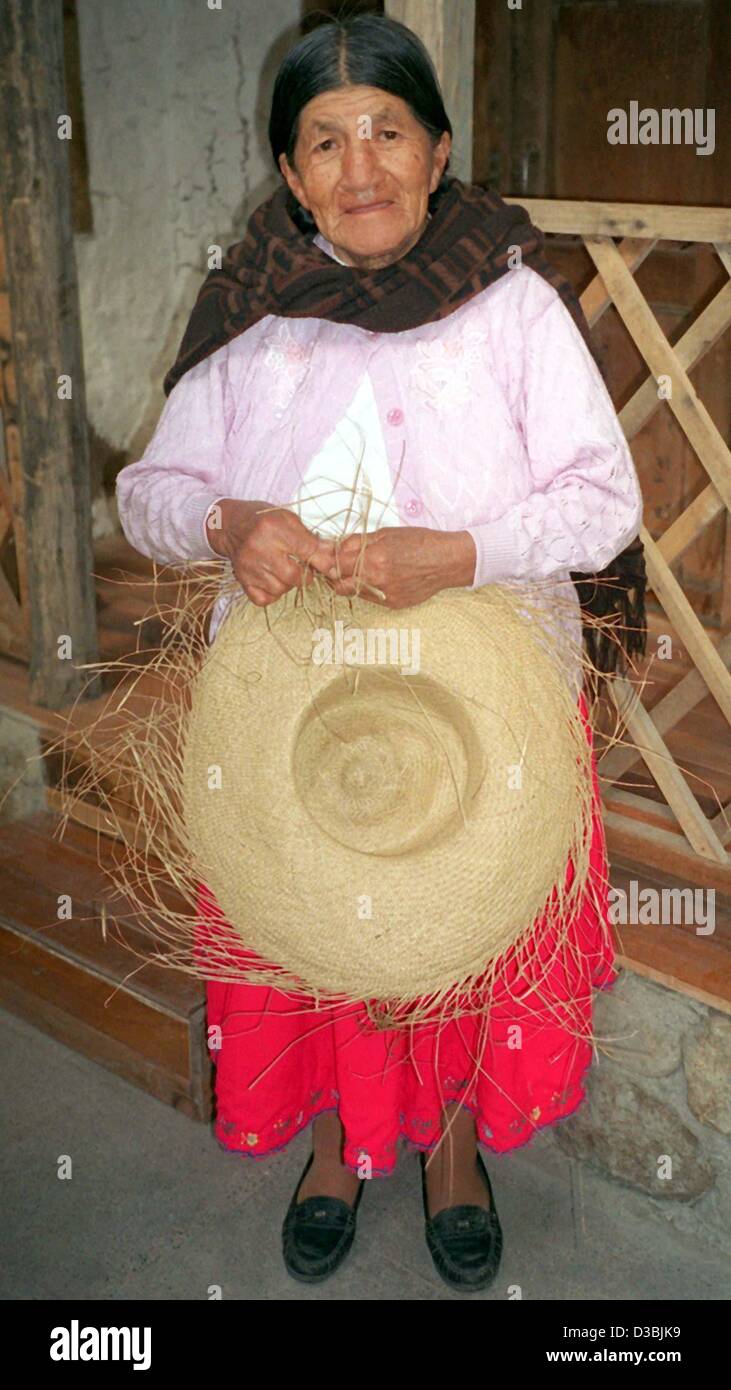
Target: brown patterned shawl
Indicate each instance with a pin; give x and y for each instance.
(468, 243)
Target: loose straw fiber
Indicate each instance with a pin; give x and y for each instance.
(373, 833)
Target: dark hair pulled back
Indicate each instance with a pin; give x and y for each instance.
(369, 50)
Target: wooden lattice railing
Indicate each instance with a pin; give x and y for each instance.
(641, 227)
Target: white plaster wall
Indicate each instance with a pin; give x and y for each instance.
(176, 103)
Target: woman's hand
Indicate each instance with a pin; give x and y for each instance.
(260, 541)
(407, 564)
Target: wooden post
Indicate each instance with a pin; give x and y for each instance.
(447, 29)
(532, 95)
(41, 269)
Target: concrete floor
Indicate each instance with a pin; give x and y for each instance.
(155, 1210)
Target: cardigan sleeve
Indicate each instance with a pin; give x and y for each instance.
(165, 498)
(585, 505)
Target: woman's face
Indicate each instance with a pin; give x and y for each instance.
(364, 168)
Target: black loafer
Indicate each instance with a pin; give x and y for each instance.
(317, 1233)
(465, 1242)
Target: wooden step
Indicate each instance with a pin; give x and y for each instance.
(83, 981)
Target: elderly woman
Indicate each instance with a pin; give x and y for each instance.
(386, 352)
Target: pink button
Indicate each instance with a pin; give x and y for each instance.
(413, 506)
(395, 416)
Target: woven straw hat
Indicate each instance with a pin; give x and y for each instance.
(384, 824)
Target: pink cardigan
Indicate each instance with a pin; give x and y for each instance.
(496, 421)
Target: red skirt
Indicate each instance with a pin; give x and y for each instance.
(281, 1060)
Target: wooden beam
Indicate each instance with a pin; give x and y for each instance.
(722, 824)
(639, 320)
(698, 967)
(81, 812)
(448, 32)
(688, 626)
(664, 221)
(666, 772)
(532, 60)
(688, 526)
(596, 299)
(695, 342)
(709, 326)
(669, 710)
(638, 843)
(41, 269)
(634, 805)
(15, 635)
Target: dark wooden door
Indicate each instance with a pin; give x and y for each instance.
(546, 77)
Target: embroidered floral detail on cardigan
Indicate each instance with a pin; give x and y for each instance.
(442, 373)
(286, 364)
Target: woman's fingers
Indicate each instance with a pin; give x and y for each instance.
(271, 551)
(322, 557)
(357, 586)
(269, 568)
(348, 554)
(259, 597)
(288, 549)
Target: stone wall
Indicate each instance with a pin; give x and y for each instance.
(176, 101)
(658, 1114)
(23, 775)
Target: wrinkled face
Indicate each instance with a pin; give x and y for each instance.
(364, 168)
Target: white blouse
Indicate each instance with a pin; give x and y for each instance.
(348, 486)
